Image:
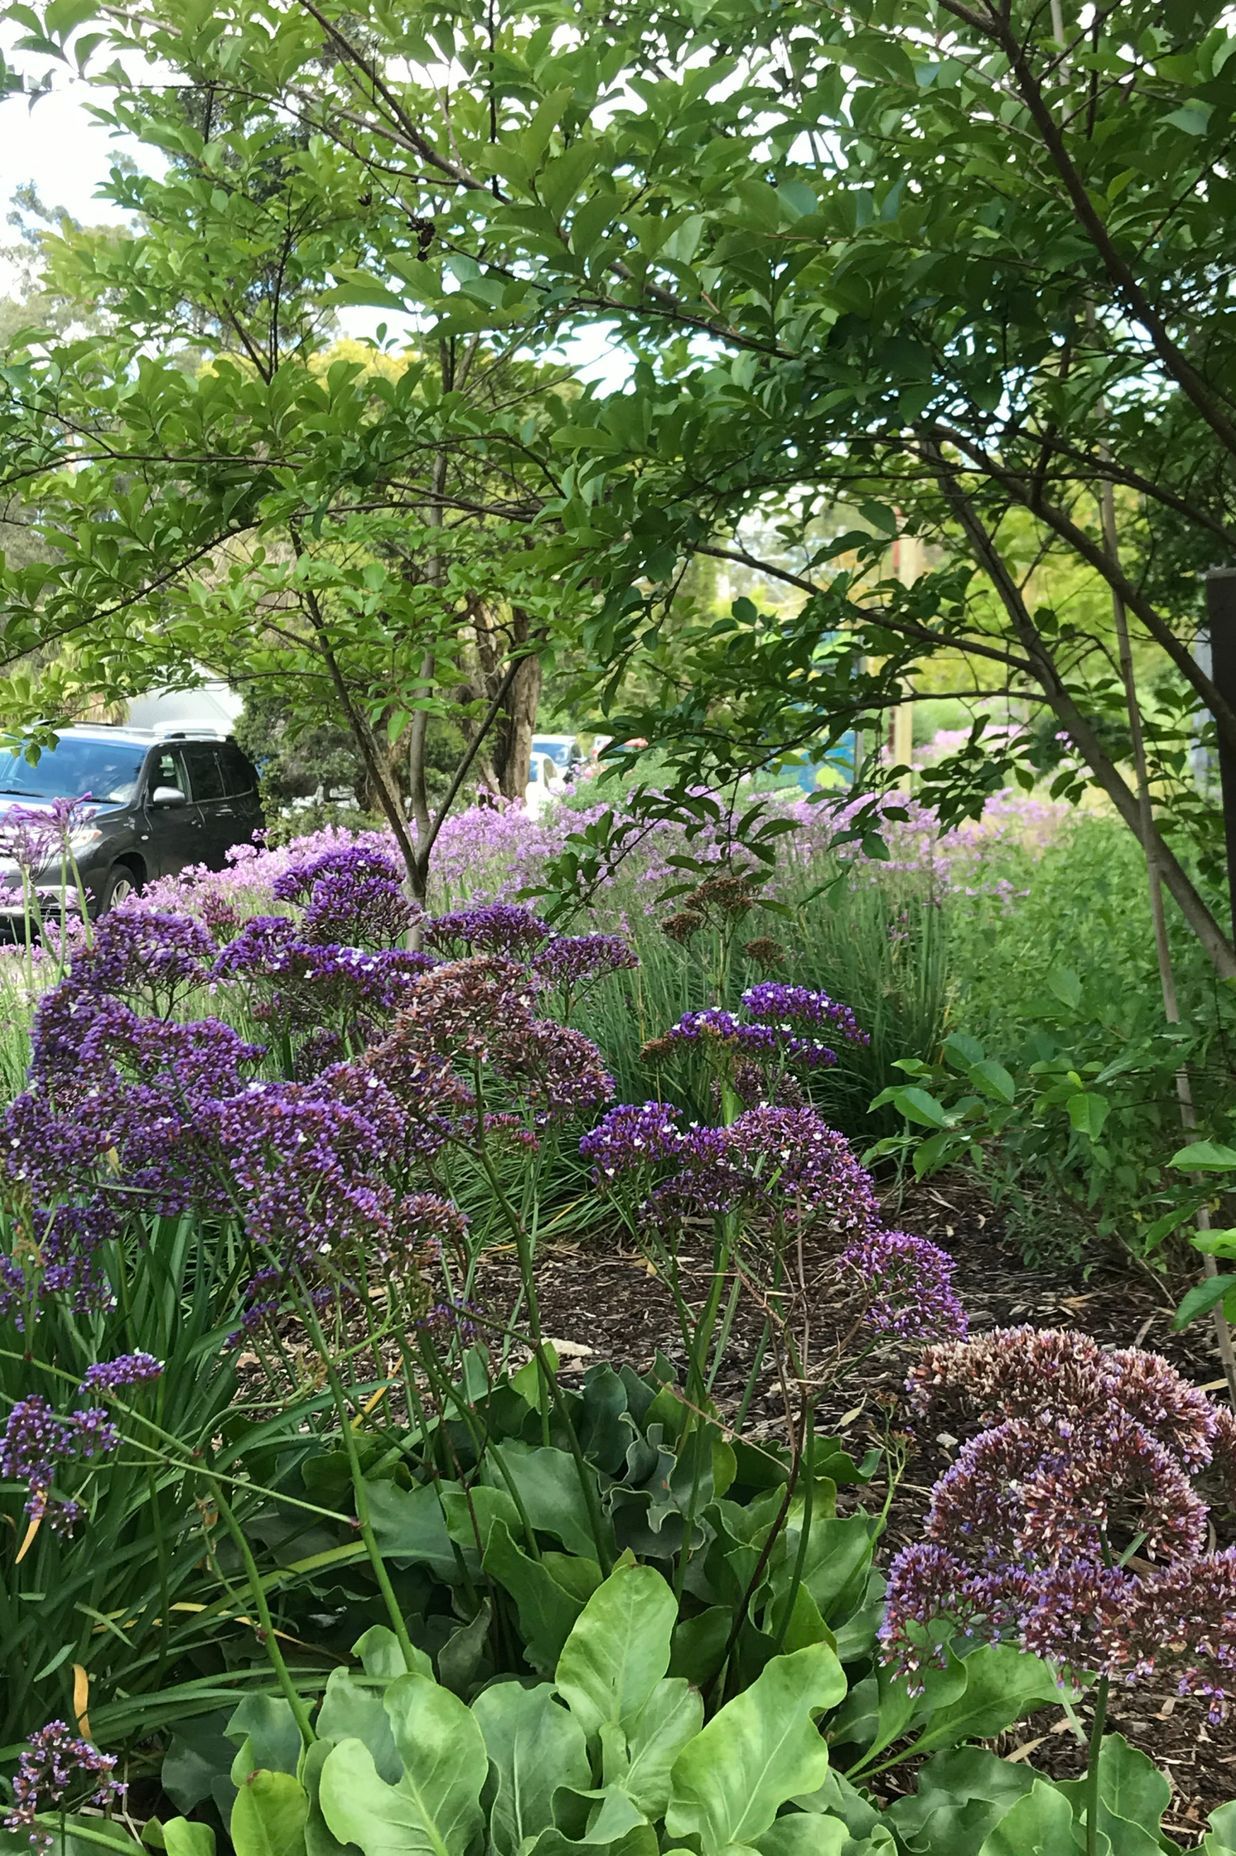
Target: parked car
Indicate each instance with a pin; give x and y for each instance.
(553, 764)
(158, 799)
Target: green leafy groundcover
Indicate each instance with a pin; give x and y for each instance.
(714, 1688)
(617, 1755)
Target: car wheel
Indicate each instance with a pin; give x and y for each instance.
(121, 882)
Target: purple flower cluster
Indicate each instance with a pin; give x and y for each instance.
(116, 1099)
(127, 1369)
(574, 960)
(481, 1012)
(771, 1003)
(1070, 1523)
(363, 909)
(494, 928)
(785, 1168)
(59, 1255)
(52, 1766)
(905, 1286)
(36, 1442)
(155, 957)
(770, 1036)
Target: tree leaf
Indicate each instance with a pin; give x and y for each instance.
(1202, 1297)
(763, 1747)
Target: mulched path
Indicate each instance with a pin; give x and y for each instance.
(607, 1304)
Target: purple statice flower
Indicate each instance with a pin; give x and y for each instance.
(123, 1118)
(632, 1136)
(784, 1168)
(36, 1441)
(52, 1769)
(354, 862)
(473, 1011)
(305, 1166)
(717, 1026)
(558, 1070)
(59, 1256)
(905, 1286)
(802, 1171)
(1070, 1525)
(39, 835)
(493, 928)
(574, 960)
(770, 1002)
(127, 1369)
(262, 947)
(359, 908)
(152, 956)
(1040, 1373)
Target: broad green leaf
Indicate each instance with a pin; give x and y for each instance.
(266, 1724)
(619, 1647)
(182, 1837)
(1220, 1840)
(1202, 1297)
(434, 1808)
(1088, 1113)
(269, 1816)
(352, 1710)
(1002, 1684)
(410, 1527)
(549, 1593)
(640, 1759)
(918, 1106)
(960, 1797)
(534, 1746)
(549, 1488)
(1040, 1824)
(1205, 1157)
(762, 1749)
(994, 1079)
(805, 1835)
(1133, 1795)
(381, 1654)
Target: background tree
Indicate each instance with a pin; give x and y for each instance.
(925, 260)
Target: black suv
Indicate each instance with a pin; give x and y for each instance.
(158, 799)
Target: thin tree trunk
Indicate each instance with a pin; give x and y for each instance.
(1081, 730)
(1151, 842)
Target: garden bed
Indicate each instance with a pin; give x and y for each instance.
(610, 1305)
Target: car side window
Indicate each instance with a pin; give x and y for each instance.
(204, 774)
(168, 769)
(238, 775)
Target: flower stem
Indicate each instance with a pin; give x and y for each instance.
(1096, 1757)
(270, 1638)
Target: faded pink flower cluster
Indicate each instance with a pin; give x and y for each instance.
(1070, 1524)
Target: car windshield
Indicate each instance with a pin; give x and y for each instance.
(557, 751)
(105, 770)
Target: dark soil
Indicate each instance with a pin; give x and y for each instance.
(611, 1305)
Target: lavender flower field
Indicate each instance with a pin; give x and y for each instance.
(295, 1461)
